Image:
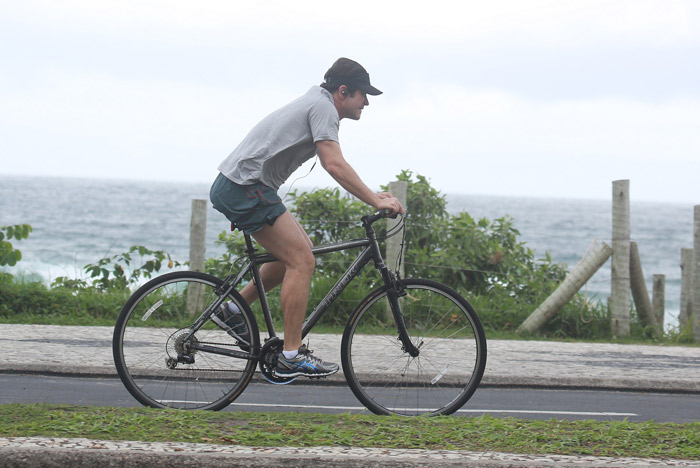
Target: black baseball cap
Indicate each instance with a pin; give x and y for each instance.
(348, 72)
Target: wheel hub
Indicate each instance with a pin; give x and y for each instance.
(179, 348)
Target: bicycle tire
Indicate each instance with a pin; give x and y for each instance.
(145, 345)
(446, 330)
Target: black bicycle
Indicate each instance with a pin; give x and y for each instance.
(411, 347)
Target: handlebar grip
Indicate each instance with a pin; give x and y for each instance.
(369, 219)
(388, 212)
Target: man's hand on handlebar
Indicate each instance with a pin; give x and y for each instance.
(387, 201)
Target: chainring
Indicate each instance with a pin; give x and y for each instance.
(268, 361)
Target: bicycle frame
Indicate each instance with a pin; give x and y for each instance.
(187, 358)
(360, 262)
(371, 251)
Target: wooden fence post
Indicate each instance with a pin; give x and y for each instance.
(576, 278)
(198, 234)
(685, 315)
(198, 231)
(640, 293)
(658, 303)
(620, 289)
(696, 273)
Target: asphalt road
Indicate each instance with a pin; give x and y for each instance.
(520, 403)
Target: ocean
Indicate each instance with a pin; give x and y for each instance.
(79, 221)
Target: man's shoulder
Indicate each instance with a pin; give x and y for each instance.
(315, 98)
(309, 102)
(317, 95)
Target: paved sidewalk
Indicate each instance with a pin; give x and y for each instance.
(87, 351)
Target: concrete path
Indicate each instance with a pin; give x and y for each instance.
(87, 351)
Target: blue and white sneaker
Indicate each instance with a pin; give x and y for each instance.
(304, 364)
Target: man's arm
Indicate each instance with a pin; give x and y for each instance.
(335, 164)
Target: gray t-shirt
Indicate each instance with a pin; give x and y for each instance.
(283, 140)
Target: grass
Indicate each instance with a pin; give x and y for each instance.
(484, 433)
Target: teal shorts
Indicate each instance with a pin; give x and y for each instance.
(248, 207)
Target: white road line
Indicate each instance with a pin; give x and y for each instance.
(479, 411)
(562, 413)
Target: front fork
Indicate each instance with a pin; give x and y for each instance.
(393, 293)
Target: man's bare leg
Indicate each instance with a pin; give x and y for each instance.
(271, 274)
(287, 242)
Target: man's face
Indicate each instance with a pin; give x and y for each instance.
(353, 105)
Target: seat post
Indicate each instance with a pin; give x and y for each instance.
(250, 249)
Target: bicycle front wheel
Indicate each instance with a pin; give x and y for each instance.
(153, 352)
(449, 337)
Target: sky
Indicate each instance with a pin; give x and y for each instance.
(525, 98)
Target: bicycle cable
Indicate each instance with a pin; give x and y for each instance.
(395, 229)
(400, 226)
(399, 259)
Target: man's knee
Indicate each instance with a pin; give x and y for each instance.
(307, 262)
(302, 262)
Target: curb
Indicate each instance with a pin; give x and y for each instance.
(84, 453)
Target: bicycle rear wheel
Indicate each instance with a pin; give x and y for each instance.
(150, 338)
(446, 331)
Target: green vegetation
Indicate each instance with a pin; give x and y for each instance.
(116, 273)
(617, 439)
(34, 303)
(483, 259)
(8, 254)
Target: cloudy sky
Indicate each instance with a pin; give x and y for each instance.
(517, 98)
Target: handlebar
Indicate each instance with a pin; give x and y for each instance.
(381, 214)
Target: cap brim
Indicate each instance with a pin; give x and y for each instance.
(369, 89)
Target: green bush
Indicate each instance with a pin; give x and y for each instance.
(228, 262)
(33, 302)
(120, 271)
(485, 262)
(482, 259)
(96, 301)
(8, 254)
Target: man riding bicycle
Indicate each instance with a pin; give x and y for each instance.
(245, 191)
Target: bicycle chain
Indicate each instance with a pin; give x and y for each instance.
(207, 370)
(216, 344)
(210, 370)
